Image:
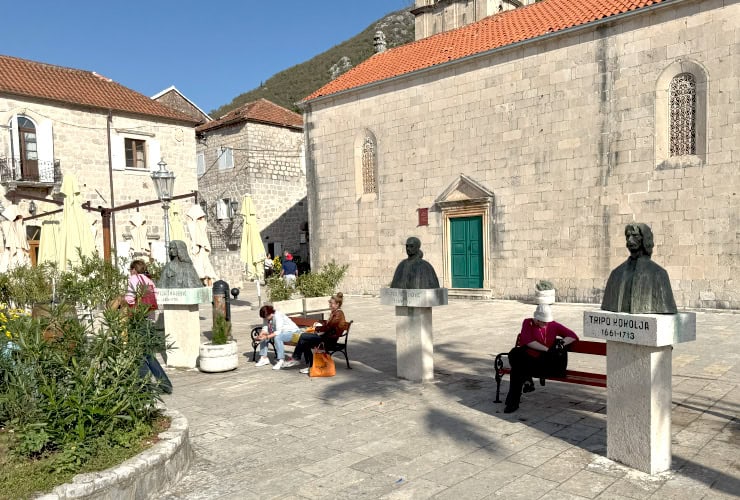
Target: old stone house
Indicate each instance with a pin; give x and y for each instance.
(56, 121)
(256, 150)
(518, 147)
(175, 99)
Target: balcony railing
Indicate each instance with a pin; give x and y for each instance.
(47, 172)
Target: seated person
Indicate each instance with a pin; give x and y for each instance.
(327, 332)
(280, 329)
(538, 335)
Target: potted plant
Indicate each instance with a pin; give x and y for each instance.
(220, 354)
(545, 292)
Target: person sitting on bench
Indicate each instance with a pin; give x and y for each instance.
(539, 334)
(325, 332)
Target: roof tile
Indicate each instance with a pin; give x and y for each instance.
(260, 110)
(493, 32)
(26, 78)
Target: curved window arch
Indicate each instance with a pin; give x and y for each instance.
(681, 115)
(366, 164)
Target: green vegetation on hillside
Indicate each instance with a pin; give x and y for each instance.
(293, 84)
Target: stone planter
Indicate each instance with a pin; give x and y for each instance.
(545, 296)
(292, 306)
(218, 358)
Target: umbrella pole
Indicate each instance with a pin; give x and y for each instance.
(259, 297)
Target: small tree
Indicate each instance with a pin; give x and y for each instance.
(221, 330)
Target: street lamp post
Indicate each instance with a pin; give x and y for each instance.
(164, 183)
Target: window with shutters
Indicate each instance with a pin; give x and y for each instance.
(135, 150)
(30, 152)
(226, 158)
(201, 164)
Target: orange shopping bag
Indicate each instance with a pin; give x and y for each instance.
(323, 364)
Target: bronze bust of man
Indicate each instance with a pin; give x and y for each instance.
(414, 272)
(179, 271)
(639, 285)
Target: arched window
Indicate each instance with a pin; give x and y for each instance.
(366, 165)
(29, 151)
(369, 160)
(683, 115)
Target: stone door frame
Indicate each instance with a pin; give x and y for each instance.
(465, 198)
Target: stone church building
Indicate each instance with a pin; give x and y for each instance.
(518, 146)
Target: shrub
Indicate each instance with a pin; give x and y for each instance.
(154, 269)
(221, 330)
(544, 285)
(26, 286)
(278, 289)
(64, 388)
(92, 283)
(324, 282)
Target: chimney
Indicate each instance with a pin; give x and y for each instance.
(379, 42)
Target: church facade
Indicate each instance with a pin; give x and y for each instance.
(518, 147)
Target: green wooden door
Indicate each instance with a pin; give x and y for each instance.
(466, 246)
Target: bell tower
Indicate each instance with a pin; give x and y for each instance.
(437, 16)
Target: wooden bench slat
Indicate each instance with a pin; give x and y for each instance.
(571, 376)
(588, 347)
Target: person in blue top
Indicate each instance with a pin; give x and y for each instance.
(289, 272)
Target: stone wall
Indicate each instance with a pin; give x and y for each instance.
(269, 166)
(563, 132)
(80, 144)
(176, 101)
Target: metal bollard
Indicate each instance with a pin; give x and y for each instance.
(221, 300)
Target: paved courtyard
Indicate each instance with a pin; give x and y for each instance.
(260, 433)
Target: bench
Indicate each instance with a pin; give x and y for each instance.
(339, 346)
(571, 376)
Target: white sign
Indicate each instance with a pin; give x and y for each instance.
(654, 330)
(184, 295)
(425, 297)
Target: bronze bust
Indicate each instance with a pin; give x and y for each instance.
(179, 271)
(639, 285)
(414, 272)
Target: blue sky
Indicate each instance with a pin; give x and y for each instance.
(211, 51)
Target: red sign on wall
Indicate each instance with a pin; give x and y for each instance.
(423, 216)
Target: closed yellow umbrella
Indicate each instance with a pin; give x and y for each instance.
(177, 227)
(75, 228)
(252, 250)
(50, 241)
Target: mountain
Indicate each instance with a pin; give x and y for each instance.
(293, 84)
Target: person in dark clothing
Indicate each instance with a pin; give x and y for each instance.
(289, 271)
(327, 332)
(539, 334)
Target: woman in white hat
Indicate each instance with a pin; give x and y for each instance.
(538, 335)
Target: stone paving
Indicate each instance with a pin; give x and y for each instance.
(261, 433)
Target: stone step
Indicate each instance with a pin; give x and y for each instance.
(470, 293)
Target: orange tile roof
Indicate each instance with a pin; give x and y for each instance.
(260, 110)
(25, 78)
(493, 32)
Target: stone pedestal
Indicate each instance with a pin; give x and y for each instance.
(639, 371)
(414, 338)
(182, 323)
